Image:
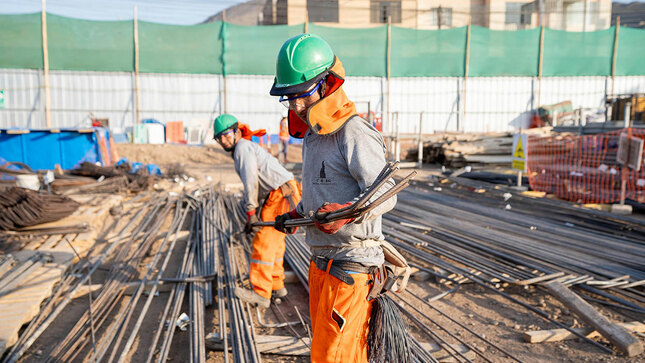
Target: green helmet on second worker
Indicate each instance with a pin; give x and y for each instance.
(302, 61)
(223, 123)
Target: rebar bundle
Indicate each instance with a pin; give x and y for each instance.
(21, 208)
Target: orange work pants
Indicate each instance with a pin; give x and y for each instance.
(267, 271)
(339, 317)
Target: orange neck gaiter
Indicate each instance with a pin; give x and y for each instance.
(248, 134)
(328, 114)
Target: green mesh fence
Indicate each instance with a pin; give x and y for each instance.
(630, 55)
(577, 53)
(427, 53)
(180, 49)
(218, 48)
(21, 41)
(253, 49)
(503, 53)
(362, 51)
(83, 45)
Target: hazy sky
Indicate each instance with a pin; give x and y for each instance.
(161, 11)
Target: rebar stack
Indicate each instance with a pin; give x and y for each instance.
(515, 246)
(21, 208)
(223, 220)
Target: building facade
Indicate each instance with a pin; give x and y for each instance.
(569, 15)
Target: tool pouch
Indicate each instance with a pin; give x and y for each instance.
(393, 275)
(287, 193)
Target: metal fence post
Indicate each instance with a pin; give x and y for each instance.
(420, 142)
(540, 65)
(466, 70)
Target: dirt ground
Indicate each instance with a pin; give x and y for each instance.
(167, 154)
(496, 319)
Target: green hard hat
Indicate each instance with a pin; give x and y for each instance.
(302, 61)
(223, 123)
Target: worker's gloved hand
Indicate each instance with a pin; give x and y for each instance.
(279, 222)
(320, 217)
(251, 218)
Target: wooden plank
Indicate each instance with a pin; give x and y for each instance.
(17, 132)
(617, 335)
(292, 346)
(21, 305)
(556, 335)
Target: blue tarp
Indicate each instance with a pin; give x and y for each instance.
(43, 149)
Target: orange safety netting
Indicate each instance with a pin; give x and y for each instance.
(584, 169)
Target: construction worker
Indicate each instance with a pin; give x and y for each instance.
(284, 138)
(264, 179)
(342, 155)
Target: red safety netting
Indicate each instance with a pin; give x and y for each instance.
(584, 169)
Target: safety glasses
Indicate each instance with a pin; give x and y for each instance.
(218, 138)
(286, 101)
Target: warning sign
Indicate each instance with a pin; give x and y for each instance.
(520, 142)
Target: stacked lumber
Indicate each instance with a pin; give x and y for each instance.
(457, 149)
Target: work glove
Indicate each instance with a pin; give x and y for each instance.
(279, 222)
(332, 227)
(251, 218)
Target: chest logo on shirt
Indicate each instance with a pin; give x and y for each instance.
(323, 179)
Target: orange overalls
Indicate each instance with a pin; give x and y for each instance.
(267, 271)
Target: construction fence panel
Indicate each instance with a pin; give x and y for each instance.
(428, 53)
(253, 49)
(23, 99)
(362, 51)
(503, 53)
(436, 97)
(367, 94)
(21, 41)
(77, 97)
(194, 99)
(634, 84)
(247, 97)
(180, 49)
(491, 103)
(584, 169)
(498, 104)
(84, 45)
(578, 53)
(629, 54)
(587, 92)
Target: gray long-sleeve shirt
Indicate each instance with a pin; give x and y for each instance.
(338, 168)
(260, 172)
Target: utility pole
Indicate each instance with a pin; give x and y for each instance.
(137, 98)
(48, 119)
(439, 16)
(584, 16)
